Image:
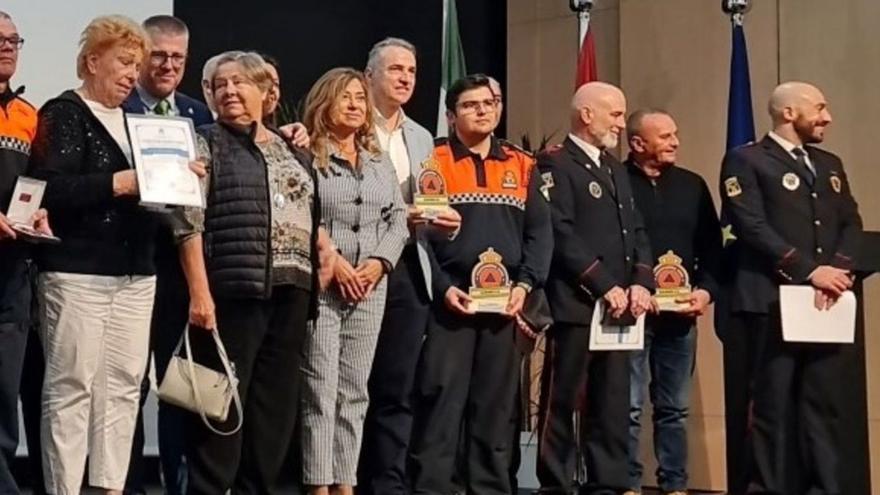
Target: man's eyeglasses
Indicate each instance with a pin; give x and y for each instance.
(14, 41)
(475, 105)
(159, 58)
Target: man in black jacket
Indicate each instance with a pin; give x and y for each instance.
(685, 239)
(601, 252)
(797, 223)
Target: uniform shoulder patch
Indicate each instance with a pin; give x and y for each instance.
(732, 187)
(836, 183)
(547, 178)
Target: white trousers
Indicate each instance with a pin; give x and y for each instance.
(95, 333)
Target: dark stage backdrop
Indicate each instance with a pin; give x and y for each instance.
(309, 37)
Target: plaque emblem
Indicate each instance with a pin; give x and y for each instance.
(673, 283)
(431, 197)
(595, 190)
(490, 284)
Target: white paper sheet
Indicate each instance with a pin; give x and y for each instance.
(802, 322)
(615, 338)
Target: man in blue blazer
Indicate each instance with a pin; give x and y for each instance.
(156, 93)
(391, 72)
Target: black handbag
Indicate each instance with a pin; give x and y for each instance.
(535, 317)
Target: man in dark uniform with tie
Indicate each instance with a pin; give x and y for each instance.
(601, 252)
(797, 223)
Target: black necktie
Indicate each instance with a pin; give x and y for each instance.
(801, 158)
(606, 167)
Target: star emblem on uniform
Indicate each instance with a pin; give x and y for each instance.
(727, 235)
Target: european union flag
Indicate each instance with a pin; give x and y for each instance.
(740, 120)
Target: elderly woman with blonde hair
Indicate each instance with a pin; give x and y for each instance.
(97, 286)
(252, 259)
(364, 212)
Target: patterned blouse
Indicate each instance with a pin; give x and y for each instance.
(291, 190)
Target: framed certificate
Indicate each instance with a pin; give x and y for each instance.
(162, 148)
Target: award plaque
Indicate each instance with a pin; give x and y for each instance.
(490, 284)
(673, 283)
(431, 197)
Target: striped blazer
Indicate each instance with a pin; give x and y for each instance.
(363, 210)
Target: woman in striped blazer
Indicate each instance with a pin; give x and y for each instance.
(364, 213)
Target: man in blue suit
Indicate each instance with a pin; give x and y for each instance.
(156, 93)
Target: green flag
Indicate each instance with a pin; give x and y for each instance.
(452, 61)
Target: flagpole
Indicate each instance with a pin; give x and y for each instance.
(582, 8)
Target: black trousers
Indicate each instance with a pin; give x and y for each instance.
(14, 338)
(15, 308)
(739, 347)
(264, 339)
(794, 438)
(571, 373)
(468, 378)
(170, 315)
(387, 428)
(31, 409)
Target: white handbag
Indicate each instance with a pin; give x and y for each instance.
(200, 389)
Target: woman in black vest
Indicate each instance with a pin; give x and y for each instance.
(254, 253)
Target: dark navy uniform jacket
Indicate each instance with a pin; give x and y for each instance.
(787, 222)
(600, 239)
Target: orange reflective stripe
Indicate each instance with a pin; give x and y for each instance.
(18, 121)
(508, 178)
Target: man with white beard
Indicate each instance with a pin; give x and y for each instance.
(601, 251)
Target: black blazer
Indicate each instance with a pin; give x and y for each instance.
(600, 240)
(787, 222)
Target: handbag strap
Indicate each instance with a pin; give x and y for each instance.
(230, 374)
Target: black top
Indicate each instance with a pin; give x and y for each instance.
(787, 221)
(600, 240)
(77, 157)
(680, 216)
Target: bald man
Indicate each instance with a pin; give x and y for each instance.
(601, 252)
(797, 223)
